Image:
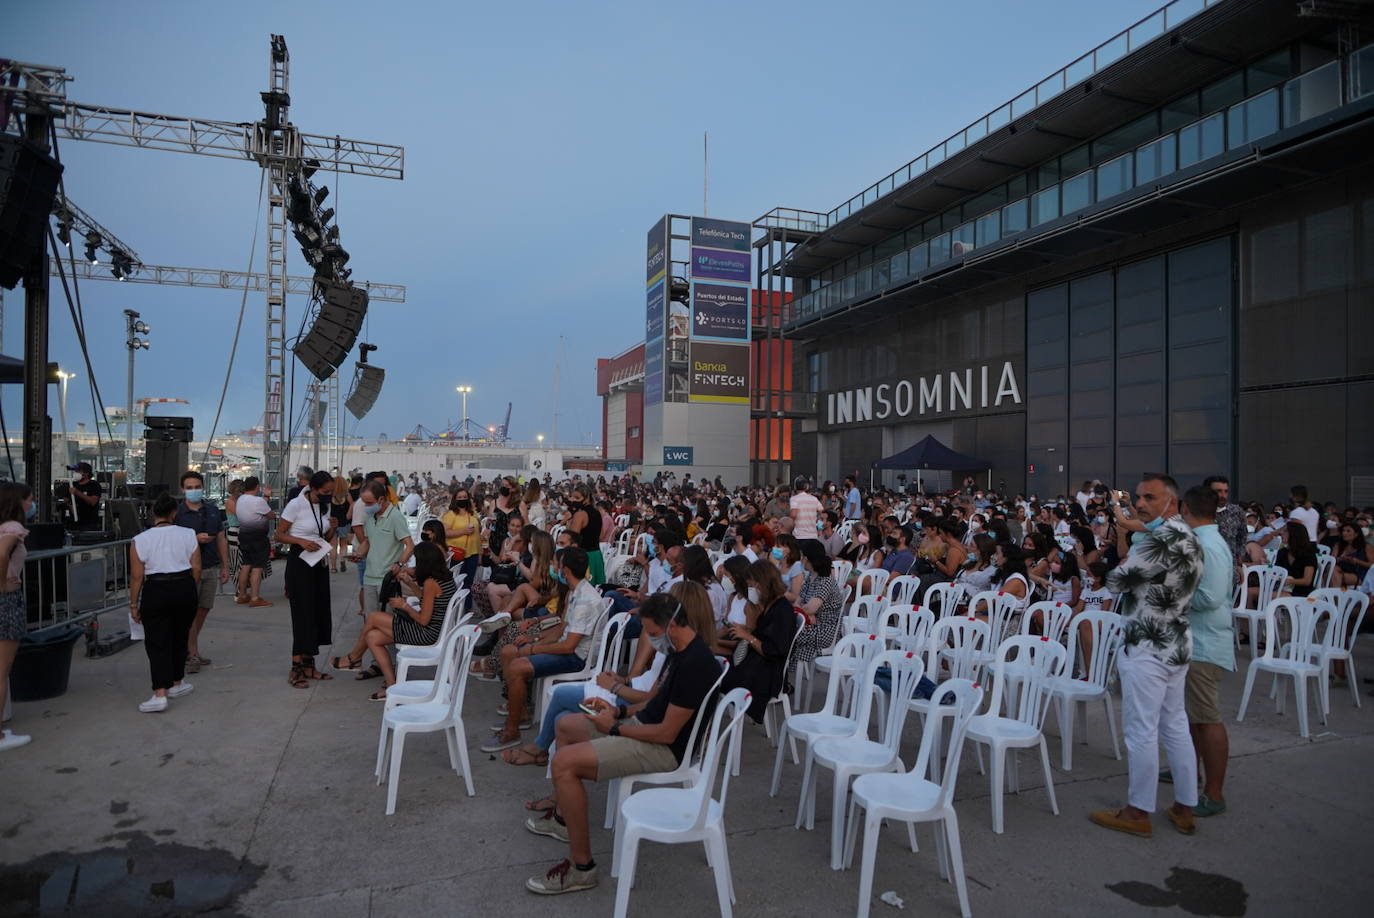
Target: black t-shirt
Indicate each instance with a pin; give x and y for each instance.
(87, 514)
(691, 673)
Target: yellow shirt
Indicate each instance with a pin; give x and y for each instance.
(471, 543)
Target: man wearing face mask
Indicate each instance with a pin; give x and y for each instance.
(1156, 582)
(1230, 519)
(207, 522)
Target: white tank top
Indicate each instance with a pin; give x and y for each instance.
(1022, 601)
(166, 549)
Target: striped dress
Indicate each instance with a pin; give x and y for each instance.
(409, 631)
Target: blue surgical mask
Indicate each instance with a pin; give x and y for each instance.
(371, 509)
(31, 511)
(777, 554)
(1155, 523)
(661, 643)
(195, 495)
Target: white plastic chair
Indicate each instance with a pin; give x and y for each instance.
(684, 775)
(806, 671)
(443, 712)
(911, 797)
(781, 699)
(1268, 579)
(906, 628)
(852, 653)
(999, 608)
(594, 664)
(672, 815)
(1322, 550)
(1294, 659)
(957, 643)
(854, 755)
(872, 582)
(1326, 569)
(901, 591)
(1347, 603)
(863, 614)
(944, 598)
(1020, 727)
(408, 655)
(1069, 693)
(1054, 619)
(840, 570)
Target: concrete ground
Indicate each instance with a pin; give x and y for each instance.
(250, 797)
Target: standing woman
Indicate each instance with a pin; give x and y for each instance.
(586, 528)
(462, 528)
(341, 508)
(17, 507)
(231, 528)
(531, 505)
(306, 525)
(763, 669)
(164, 569)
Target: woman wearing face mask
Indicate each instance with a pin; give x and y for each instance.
(1064, 584)
(864, 550)
(822, 602)
(786, 556)
(164, 569)
(1011, 575)
(341, 508)
(1353, 555)
(402, 623)
(462, 530)
(585, 524)
(306, 526)
(739, 611)
(17, 507)
(977, 573)
(762, 669)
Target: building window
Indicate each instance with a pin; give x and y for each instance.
(1077, 192)
(632, 433)
(1045, 206)
(1114, 177)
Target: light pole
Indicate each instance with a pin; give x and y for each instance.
(463, 391)
(63, 376)
(134, 342)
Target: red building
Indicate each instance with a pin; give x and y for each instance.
(620, 383)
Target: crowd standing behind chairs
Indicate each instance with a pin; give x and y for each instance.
(742, 589)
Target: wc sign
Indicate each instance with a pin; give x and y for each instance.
(677, 455)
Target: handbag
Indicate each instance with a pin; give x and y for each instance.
(504, 574)
(388, 590)
(457, 554)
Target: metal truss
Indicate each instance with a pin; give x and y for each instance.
(86, 223)
(223, 280)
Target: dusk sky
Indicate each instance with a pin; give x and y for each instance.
(542, 140)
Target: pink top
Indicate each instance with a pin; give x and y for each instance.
(17, 554)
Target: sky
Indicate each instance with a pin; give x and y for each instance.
(541, 141)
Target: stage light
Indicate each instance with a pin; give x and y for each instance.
(320, 194)
(326, 215)
(93, 242)
(64, 228)
(121, 265)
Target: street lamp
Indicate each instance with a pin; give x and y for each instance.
(63, 377)
(463, 391)
(540, 438)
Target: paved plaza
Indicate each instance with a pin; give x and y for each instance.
(249, 797)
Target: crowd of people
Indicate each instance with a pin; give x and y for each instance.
(747, 577)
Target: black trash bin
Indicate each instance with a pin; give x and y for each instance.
(44, 663)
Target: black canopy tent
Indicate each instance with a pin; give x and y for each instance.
(929, 454)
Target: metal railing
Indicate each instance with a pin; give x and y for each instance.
(70, 586)
(787, 402)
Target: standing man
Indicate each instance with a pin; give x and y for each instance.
(302, 482)
(1156, 581)
(1303, 511)
(1230, 519)
(205, 519)
(84, 494)
(386, 546)
(1214, 650)
(853, 502)
(255, 517)
(780, 505)
(806, 510)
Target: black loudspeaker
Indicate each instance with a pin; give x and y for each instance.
(367, 385)
(326, 345)
(28, 184)
(163, 464)
(166, 422)
(167, 436)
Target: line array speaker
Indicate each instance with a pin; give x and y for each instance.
(326, 345)
(28, 183)
(367, 385)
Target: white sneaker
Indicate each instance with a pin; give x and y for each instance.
(11, 740)
(495, 623)
(177, 691)
(155, 705)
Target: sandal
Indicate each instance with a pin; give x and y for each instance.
(308, 671)
(351, 665)
(297, 679)
(372, 672)
(377, 696)
(521, 755)
(542, 805)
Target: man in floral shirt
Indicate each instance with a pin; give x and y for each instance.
(1156, 582)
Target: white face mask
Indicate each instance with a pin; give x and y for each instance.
(754, 595)
(729, 585)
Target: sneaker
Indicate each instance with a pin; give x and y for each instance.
(525, 724)
(1112, 819)
(495, 623)
(12, 740)
(563, 878)
(177, 691)
(258, 603)
(1206, 806)
(1182, 821)
(154, 705)
(549, 825)
(496, 744)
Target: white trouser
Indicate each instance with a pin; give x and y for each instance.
(1152, 711)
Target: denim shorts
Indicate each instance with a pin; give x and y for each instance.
(555, 664)
(361, 567)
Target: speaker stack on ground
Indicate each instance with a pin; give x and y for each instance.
(326, 345)
(166, 451)
(28, 184)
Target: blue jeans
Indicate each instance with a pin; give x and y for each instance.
(555, 664)
(565, 700)
(924, 689)
(622, 603)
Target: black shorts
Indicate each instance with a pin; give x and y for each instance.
(253, 547)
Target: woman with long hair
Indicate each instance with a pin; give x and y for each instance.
(341, 508)
(763, 669)
(1353, 556)
(463, 530)
(822, 602)
(1299, 556)
(532, 505)
(402, 623)
(305, 527)
(739, 610)
(164, 569)
(17, 507)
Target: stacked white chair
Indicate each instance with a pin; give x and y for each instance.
(852, 653)
(1268, 579)
(1349, 606)
(912, 797)
(1021, 727)
(671, 815)
(441, 711)
(1072, 695)
(851, 756)
(1294, 660)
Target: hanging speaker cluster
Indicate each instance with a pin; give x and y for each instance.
(367, 384)
(325, 346)
(28, 183)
